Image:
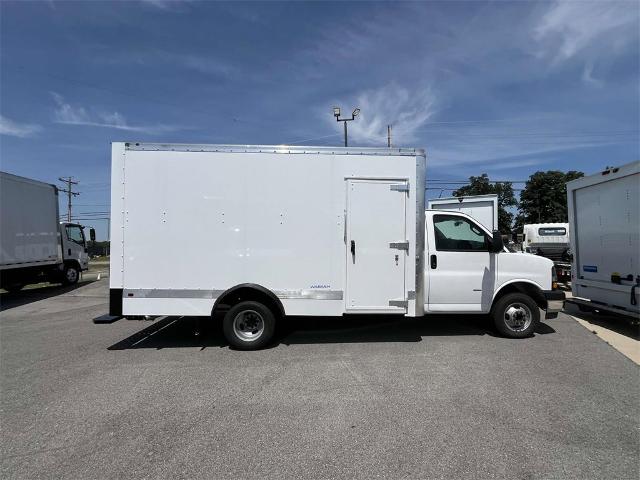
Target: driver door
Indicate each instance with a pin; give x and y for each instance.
(461, 269)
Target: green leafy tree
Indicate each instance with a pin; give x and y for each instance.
(506, 199)
(544, 198)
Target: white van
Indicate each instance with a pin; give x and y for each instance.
(259, 232)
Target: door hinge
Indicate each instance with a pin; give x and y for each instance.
(400, 245)
(399, 187)
(399, 303)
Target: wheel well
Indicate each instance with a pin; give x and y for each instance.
(523, 287)
(241, 293)
(73, 262)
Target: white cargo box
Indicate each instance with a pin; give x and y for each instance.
(327, 230)
(605, 229)
(28, 223)
(484, 208)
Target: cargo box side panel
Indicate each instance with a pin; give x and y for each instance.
(29, 228)
(198, 223)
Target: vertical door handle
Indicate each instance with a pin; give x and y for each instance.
(353, 247)
(434, 262)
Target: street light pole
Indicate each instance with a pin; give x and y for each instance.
(354, 114)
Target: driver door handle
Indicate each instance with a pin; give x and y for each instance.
(434, 262)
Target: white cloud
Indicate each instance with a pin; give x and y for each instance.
(393, 105)
(587, 76)
(569, 28)
(68, 114)
(15, 129)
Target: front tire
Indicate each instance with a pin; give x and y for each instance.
(249, 325)
(515, 315)
(71, 275)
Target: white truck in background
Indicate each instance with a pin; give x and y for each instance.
(483, 208)
(34, 245)
(550, 240)
(256, 233)
(604, 217)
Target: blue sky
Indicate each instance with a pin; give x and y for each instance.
(506, 88)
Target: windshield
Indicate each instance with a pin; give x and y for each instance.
(75, 234)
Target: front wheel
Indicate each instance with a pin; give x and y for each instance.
(515, 315)
(71, 275)
(249, 325)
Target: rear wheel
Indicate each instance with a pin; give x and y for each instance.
(515, 315)
(249, 325)
(71, 275)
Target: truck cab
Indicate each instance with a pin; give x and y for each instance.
(469, 271)
(74, 251)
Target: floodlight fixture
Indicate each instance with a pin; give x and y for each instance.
(354, 114)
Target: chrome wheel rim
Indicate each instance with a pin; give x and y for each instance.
(72, 275)
(518, 317)
(248, 325)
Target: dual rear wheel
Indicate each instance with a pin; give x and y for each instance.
(249, 325)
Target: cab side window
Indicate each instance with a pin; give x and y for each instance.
(458, 234)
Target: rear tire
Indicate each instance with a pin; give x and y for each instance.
(249, 325)
(71, 275)
(515, 315)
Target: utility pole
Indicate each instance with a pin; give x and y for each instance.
(389, 136)
(69, 181)
(354, 114)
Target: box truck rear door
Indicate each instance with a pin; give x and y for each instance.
(376, 245)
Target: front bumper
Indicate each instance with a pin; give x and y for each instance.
(555, 302)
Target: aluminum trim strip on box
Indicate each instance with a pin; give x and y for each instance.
(180, 147)
(213, 294)
(170, 293)
(310, 294)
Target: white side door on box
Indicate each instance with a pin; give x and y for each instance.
(376, 217)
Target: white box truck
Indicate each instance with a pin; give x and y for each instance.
(34, 245)
(550, 240)
(604, 211)
(259, 232)
(484, 208)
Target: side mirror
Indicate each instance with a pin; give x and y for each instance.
(497, 245)
(92, 234)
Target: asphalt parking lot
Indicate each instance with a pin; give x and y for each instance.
(439, 397)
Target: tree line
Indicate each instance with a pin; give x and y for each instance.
(543, 199)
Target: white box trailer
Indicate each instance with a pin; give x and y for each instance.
(34, 245)
(483, 208)
(604, 217)
(258, 232)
